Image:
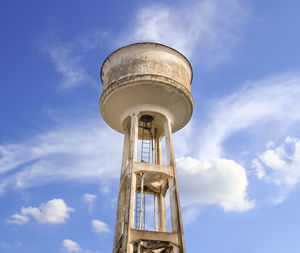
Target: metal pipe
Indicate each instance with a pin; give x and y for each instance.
(141, 202)
(143, 134)
(154, 196)
(152, 148)
(155, 137)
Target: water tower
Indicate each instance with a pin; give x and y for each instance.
(147, 97)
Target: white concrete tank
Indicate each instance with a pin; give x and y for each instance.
(146, 77)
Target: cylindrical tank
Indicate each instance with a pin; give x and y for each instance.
(146, 77)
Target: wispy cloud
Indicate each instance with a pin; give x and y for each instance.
(268, 108)
(55, 211)
(68, 57)
(264, 109)
(89, 199)
(82, 152)
(67, 152)
(205, 30)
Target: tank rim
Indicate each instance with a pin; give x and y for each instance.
(147, 43)
(181, 90)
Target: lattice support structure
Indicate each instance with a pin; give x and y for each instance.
(158, 179)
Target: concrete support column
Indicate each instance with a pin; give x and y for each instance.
(120, 210)
(173, 186)
(129, 205)
(158, 151)
(125, 153)
(161, 206)
(120, 218)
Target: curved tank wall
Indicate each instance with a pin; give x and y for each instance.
(146, 77)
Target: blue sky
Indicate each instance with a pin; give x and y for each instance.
(238, 159)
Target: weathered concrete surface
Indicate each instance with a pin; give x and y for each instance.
(146, 77)
(176, 217)
(152, 236)
(162, 171)
(158, 179)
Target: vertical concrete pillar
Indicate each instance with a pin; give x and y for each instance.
(120, 210)
(158, 150)
(173, 185)
(162, 221)
(125, 154)
(120, 218)
(161, 205)
(130, 186)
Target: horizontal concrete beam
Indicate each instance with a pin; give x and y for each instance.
(153, 169)
(144, 235)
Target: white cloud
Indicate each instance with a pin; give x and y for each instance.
(71, 246)
(55, 211)
(18, 219)
(266, 108)
(221, 181)
(89, 198)
(75, 152)
(80, 152)
(206, 30)
(281, 167)
(99, 226)
(259, 170)
(273, 160)
(68, 57)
